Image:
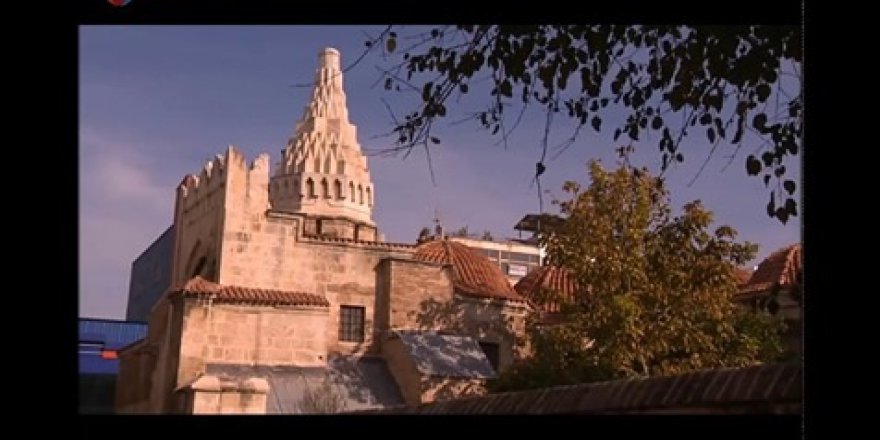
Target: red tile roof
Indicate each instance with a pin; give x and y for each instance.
(742, 275)
(200, 287)
(783, 267)
(473, 273)
(559, 281)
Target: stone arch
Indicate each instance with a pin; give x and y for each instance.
(325, 188)
(340, 167)
(310, 188)
(369, 197)
(201, 262)
(327, 165)
(351, 191)
(360, 194)
(337, 189)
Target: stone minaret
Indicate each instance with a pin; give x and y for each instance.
(323, 172)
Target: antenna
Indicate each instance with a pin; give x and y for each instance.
(438, 228)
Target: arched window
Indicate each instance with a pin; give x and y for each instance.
(310, 188)
(340, 167)
(360, 194)
(325, 189)
(337, 189)
(327, 165)
(317, 164)
(351, 191)
(369, 197)
(295, 185)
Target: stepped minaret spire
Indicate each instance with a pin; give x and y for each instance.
(323, 172)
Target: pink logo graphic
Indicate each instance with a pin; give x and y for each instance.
(118, 3)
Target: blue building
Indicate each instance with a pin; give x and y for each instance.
(150, 276)
(99, 340)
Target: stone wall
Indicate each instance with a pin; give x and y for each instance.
(417, 388)
(147, 380)
(404, 371)
(496, 321)
(211, 395)
(417, 294)
(246, 334)
(134, 380)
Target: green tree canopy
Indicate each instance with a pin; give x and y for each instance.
(655, 293)
(736, 84)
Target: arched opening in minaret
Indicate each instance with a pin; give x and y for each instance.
(360, 194)
(369, 197)
(340, 167)
(310, 188)
(351, 191)
(296, 187)
(327, 165)
(325, 189)
(337, 189)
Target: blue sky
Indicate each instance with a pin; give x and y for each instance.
(155, 102)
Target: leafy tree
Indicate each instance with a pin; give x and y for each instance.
(658, 289)
(424, 234)
(487, 235)
(461, 232)
(738, 84)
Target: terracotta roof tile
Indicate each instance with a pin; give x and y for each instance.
(742, 275)
(473, 273)
(783, 267)
(555, 279)
(200, 287)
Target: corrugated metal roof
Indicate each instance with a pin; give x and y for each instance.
(446, 355)
(113, 334)
(105, 334)
(360, 382)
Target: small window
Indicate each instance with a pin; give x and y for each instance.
(490, 349)
(351, 323)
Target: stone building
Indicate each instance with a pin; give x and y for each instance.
(282, 285)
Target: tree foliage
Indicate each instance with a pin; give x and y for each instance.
(656, 289)
(669, 82)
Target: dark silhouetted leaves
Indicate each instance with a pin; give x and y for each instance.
(763, 92)
(759, 121)
(789, 186)
(753, 166)
(657, 123)
(705, 74)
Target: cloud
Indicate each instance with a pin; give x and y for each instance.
(125, 203)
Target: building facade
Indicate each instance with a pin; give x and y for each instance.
(515, 258)
(150, 276)
(99, 341)
(281, 285)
